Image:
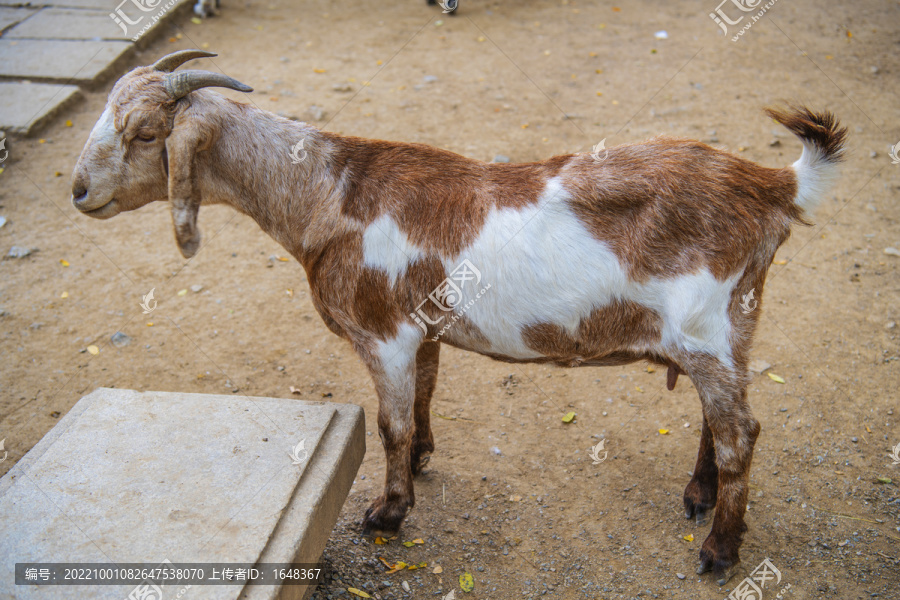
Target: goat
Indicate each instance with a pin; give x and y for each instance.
(641, 254)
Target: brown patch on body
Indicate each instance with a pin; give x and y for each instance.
(609, 333)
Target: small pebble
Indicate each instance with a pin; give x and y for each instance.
(661, 35)
(20, 252)
(196, 288)
(500, 158)
(496, 450)
(120, 339)
(892, 252)
(854, 440)
(429, 79)
(680, 575)
(404, 585)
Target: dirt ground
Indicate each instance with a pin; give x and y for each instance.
(527, 80)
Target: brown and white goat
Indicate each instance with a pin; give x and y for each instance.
(643, 255)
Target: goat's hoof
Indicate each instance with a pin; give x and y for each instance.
(383, 519)
(723, 563)
(697, 504)
(419, 462)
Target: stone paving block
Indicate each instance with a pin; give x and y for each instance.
(66, 61)
(24, 107)
(9, 16)
(68, 24)
(127, 476)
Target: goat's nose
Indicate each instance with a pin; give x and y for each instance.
(79, 190)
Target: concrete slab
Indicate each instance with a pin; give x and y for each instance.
(143, 477)
(66, 61)
(69, 24)
(10, 16)
(25, 107)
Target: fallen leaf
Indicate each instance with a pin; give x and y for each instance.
(283, 259)
(466, 582)
(663, 431)
(775, 378)
(359, 593)
(295, 390)
(408, 544)
(319, 70)
(639, 388)
(418, 541)
(779, 262)
(883, 480)
(68, 123)
(66, 295)
(398, 566)
(568, 417)
(651, 370)
(196, 21)
(420, 565)
(64, 262)
(182, 292)
(380, 541)
(689, 537)
(868, 430)
(93, 350)
(149, 324)
(438, 570)
(386, 563)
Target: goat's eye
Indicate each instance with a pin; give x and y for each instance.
(146, 137)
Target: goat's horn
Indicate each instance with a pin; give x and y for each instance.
(182, 83)
(170, 62)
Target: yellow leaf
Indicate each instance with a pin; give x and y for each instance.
(399, 566)
(359, 593)
(420, 565)
(149, 324)
(380, 541)
(775, 378)
(639, 388)
(68, 123)
(408, 544)
(651, 370)
(196, 21)
(182, 292)
(93, 350)
(64, 262)
(283, 259)
(386, 563)
(319, 70)
(64, 295)
(466, 582)
(779, 262)
(663, 431)
(418, 541)
(568, 417)
(867, 429)
(438, 570)
(689, 537)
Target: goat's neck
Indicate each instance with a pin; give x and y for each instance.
(251, 168)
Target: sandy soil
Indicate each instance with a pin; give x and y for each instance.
(527, 80)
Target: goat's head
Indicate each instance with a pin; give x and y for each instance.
(142, 148)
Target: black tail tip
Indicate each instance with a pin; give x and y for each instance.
(822, 129)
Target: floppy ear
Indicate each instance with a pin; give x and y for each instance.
(184, 195)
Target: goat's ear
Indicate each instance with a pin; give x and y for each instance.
(184, 195)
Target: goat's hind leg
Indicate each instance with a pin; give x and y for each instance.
(723, 392)
(426, 377)
(701, 491)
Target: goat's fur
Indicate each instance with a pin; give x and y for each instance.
(645, 255)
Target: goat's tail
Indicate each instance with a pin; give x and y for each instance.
(823, 148)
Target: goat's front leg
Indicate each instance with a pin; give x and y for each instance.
(734, 430)
(426, 377)
(701, 491)
(392, 364)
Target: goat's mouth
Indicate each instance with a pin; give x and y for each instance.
(108, 210)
